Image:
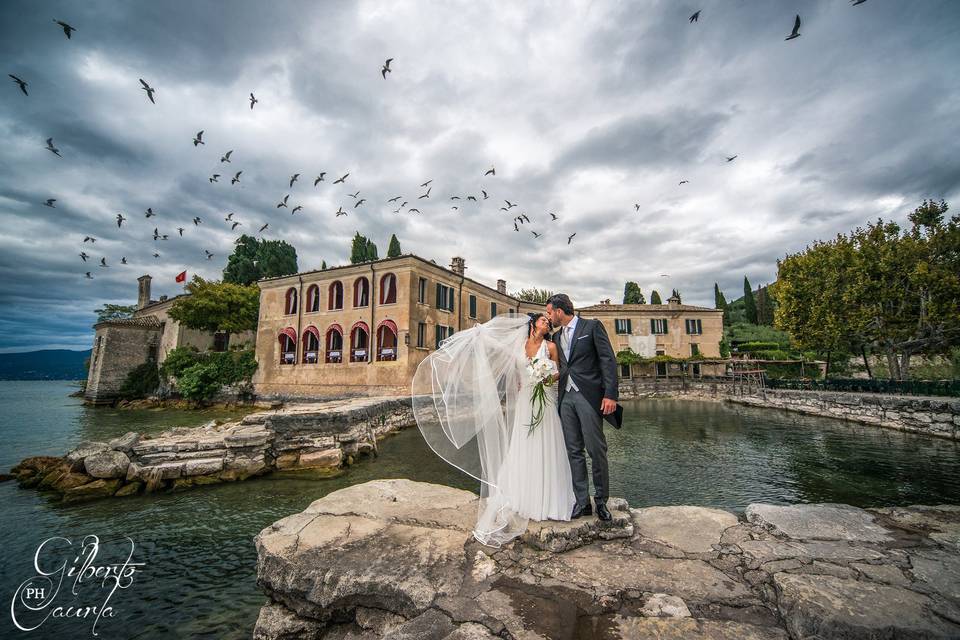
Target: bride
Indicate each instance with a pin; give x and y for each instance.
(474, 403)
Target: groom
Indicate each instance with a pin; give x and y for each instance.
(587, 391)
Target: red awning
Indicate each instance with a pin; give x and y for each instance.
(359, 323)
(290, 332)
(312, 329)
(391, 324)
(335, 327)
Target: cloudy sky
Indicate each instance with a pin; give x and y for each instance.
(592, 110)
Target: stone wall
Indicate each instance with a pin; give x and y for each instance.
(118, 348)
(939, 417)
(322, 437)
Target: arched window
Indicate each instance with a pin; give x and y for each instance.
(387, 340)
(335, 296)
(288, 346)
(290, 305)
(359, 341)
(311, 345)
(361, 292)
(388, 288)
(313, 298)
(334, 344)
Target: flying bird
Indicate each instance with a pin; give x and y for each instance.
(295, 209)
(89, 239)
(455, 208)
(120, 220)
(148, 89)
(253, 101)
(695, 17)
(426, 195)
(405, 203)
(209, 255)
(554, 216)
(235, 225)
(683, 182)
(156, 234)
(88, 276)
(485, 196)
(103, 262)
(796, 29)
(342, 179)
(263, 228)
(236, 178)
(214, 178)
(67, 29)
(525, 218)
(732, 158)
(229, 217)
(180, 229)
(84, 256)
(283, 203)
(21, 83)
(394, 199)
(198, 139)
(359, 202)
(636, 207)
(341, 212)
(226, 157)
(412, 210)
(149, 213)
(51, 148)
(427, 182)
(293, 178)
(510, 205)
(474, 198)
(454, 197)
(856, 2)
(386, 68)
(535, 234)
(515, 227)
(196, 222)
(354, 195)
(319, 178)
(156, 255)
(570, 237)
(492, 171)
(123, 260)
(49, 203)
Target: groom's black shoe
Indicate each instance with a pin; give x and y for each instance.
(602, 512)
(581, 510)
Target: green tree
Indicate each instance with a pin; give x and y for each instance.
(362, 250)
(765, 306)
(218, 306)
(393, 251)
(720, 302)
(632, 294)
(323, 266)
(253, 259)
(538, 296)
(371, 251)
(115, 312)
(655, 297)
(676, 294)
(750, 304)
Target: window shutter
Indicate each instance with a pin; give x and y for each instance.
(450, 298)
(665, 322)
(653, 325)
(439, 338)
(439, 286)
(629, 326)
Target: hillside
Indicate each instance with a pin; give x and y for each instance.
(47, 364)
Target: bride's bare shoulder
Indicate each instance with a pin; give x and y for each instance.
(551, 347)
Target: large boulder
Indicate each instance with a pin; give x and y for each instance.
(96, 489)
(126, 442)
(107, 464)
(86, 448)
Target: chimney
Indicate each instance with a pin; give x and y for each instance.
(502, 286)
(456, 264)
(143, 291)
(674, 300)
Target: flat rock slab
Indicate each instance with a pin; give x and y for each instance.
(818, 522)
(761, 551)
(939, 570)
(829, 607)
(558, 536)
(939, 522)
(689, 529)
(689, 629)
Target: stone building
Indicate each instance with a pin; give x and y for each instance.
(119, 346)
(362, 329)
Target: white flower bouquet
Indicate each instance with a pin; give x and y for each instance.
(540, 373)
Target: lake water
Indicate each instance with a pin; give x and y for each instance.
(198, 578)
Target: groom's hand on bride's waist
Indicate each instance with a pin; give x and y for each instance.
(608, 406)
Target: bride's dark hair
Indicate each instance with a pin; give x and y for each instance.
(532, 323)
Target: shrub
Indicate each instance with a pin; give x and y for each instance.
(199, 382)
(141, 382)
(200, 375)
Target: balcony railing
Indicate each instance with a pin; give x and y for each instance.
(335, 356)
(358, 355)
(387, 353)
(310, 357)
(288, 357)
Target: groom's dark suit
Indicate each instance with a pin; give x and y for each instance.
(593, 368)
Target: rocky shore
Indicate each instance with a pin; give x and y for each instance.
(322, 437)
(395, 559)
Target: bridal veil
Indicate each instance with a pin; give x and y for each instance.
(464, 398)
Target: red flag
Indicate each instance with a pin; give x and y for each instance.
(182, 276)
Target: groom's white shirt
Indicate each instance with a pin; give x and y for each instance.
(567, 338)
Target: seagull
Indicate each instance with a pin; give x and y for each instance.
(394, 199)
(164, 237)
(732, 158)
(214, 177)
(84, 256)
(510, 205)
(341, 212)
(405, 203)
(52, 148)
(49, 203)
(156, 234)
(455, 208)
(796, 29)
(148, 89)
(226, 157)
(683, 182)
(535, 234)
(235, 225)
(229, 217)
(263, 228)
(515, 227)
(386, 68)
(636, 207)
(554, 216)
(123, 260)
(342, 179)
(149, 213)
(695, 17)
(474, 198)
(103, 262)
(209, 255)
(180, 229)
(524, 216)
(89, 239)
(454, 197)
(23, 85)
(67, 29)
(359, 202)
(284, 202)
(319, 178)
(354, 195)
(236, 178)
(485, 196)
(856, 2)
(570, 237)
(156, 255)
(196, 222)
(664, 275)
(293, 178)
(412, 210)
(253, 101)
(88, 276)
(427, 182)
(396, 210)
(295, 209)
(426, 195)
(491, 171)
(198, 139)
(120, 220)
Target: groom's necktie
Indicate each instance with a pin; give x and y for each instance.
(567, 335)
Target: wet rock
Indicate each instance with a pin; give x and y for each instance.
(107, 464)
(101, 488)
(83, 450)
(328, 458)
(689, 529)
(818, 522)
(129, 489)
(125, 443)
(940, 523)
(276, 622)
(70, 480)
(938, 569)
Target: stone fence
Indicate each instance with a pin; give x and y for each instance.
(933, 416)
(318, 436)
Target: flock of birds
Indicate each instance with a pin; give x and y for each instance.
(518, 220)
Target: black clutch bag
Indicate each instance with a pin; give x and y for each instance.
(615, 418)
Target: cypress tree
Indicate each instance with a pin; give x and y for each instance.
(720, 302)
(393, 251)
(323, 266)
(358, 252)
(371, 250)
(655, 297)
(632, 294)
(749, 303)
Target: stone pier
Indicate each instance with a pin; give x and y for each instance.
(396, 559)
(322, 436)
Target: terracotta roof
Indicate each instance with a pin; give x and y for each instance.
(645, 307)
(146, 322)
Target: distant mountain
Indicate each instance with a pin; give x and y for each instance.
(47, 364)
